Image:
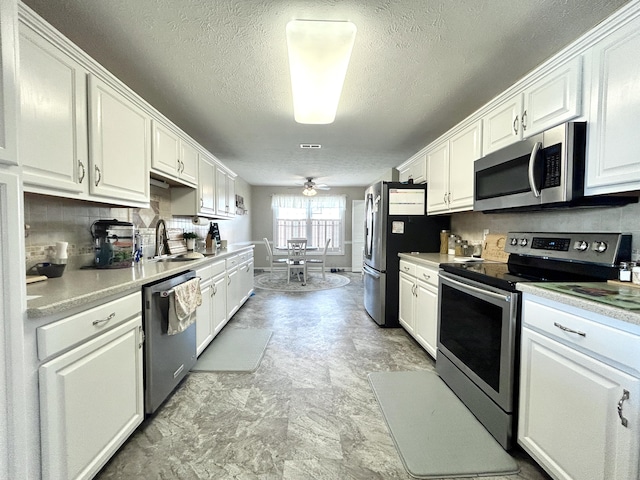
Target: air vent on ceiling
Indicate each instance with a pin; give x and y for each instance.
(310, 145)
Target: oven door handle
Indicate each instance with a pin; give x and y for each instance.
(466, 286)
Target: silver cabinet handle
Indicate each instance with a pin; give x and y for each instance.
(214, 289)
(98, 175)
(569, 330)
(406, 269)
(625, 396)
(104, 320)
(82, 169)
(524, 121)
(427, 277)
(515, 125)
(444, 198)
(449, 198)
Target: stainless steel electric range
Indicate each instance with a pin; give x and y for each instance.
(479, 315)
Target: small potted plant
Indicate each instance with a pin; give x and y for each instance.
(190, 237)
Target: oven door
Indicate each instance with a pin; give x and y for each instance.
(478, 325)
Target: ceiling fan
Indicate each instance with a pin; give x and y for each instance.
(311, 187)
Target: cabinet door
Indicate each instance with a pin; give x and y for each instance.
(233, 292)
(53, 118)
(501, 126)
(569, 419)
(464, 149)
(416, 171)
(206, 186)
(553, 99)
(426, 317)
(120, 145)
(438, 186)
(165, 156)
(231, 196)
(219, 303)
(188, 163)
(406, 309)
(204, 320)
(222, 206)
(91, 400)
(8, 83)
(613, 164)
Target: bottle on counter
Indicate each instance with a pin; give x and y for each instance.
(209, 240)
(624, 274)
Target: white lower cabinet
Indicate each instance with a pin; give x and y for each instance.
(418, 306)
(211, 316)
(579, 408)
(91, 396)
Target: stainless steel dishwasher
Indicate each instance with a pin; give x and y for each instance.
(167, 358)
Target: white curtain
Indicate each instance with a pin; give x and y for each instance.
(300, 201)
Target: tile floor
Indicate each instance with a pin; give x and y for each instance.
(307, 412)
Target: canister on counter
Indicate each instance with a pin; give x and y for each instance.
(624, 274)
(444, 241)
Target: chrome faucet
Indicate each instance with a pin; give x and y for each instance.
(161, 237)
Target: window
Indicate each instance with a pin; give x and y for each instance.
(316, 219)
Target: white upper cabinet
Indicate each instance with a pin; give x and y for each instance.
(450, 167)
(173, 156)
(501, 125)
(414, 170)
(613, 159)
(553, 99)
(225, 193)
(548, 101)
(206, 185)
(119, 146)
(8, 83)
(53, 119)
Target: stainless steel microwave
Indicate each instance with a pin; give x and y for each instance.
(546, 169)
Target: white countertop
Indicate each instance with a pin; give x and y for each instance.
(626, 315)
(81, 287)
(428, 259)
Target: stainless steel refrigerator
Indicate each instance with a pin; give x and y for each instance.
(395, 221)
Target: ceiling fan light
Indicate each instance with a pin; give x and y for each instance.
(309, 192)
(319, 53)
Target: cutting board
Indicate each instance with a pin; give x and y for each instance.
(35, 278)
(175, 241)
(493, 247)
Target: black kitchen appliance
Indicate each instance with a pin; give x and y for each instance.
(395, 221)
(479, 315)
(115, 243)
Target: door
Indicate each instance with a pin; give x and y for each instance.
(375, 230)
(501, 126)
(438, 186)
(119, 146)
(91, 400)
(464, 149)
(219, 303)
(204, 324)
(53, 141)
(206, 186)
(357, 235)
(8, 83)
(426, 317)
(571, 410)
(166, 150)
(407, 303)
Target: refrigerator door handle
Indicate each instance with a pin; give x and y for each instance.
(369, 271)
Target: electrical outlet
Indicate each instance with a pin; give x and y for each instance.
(635, 254)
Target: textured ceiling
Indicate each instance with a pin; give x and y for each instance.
(219, 70)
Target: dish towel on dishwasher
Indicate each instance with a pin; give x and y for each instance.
(182, 306)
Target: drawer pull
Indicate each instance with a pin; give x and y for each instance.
(625, 396)
(104, 320)
(569, 330)
(427, 277)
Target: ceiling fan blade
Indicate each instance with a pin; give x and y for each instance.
(322, 187)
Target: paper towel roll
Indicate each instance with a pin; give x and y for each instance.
(61, 249)
(199, 221)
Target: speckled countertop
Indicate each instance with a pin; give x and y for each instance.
(80, 287)
(617, 300)
(428, 259)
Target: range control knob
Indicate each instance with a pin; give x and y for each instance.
(600, 247)
(514, 241)
(524, 242)
(581, 246)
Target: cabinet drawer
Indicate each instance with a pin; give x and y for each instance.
(246, 256)
(217, 268)
(205, 273)
(232, 262)
(58, 336)
(426, 274)
(602, 340)
(408, 268)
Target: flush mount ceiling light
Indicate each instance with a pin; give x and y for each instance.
(319, 53)
(309, 192)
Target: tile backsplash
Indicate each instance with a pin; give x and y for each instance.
(54, 219)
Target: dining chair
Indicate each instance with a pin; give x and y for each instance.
(272, 259)
(296, 258)
(311, 261)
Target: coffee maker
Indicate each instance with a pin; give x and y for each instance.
(115, 243)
